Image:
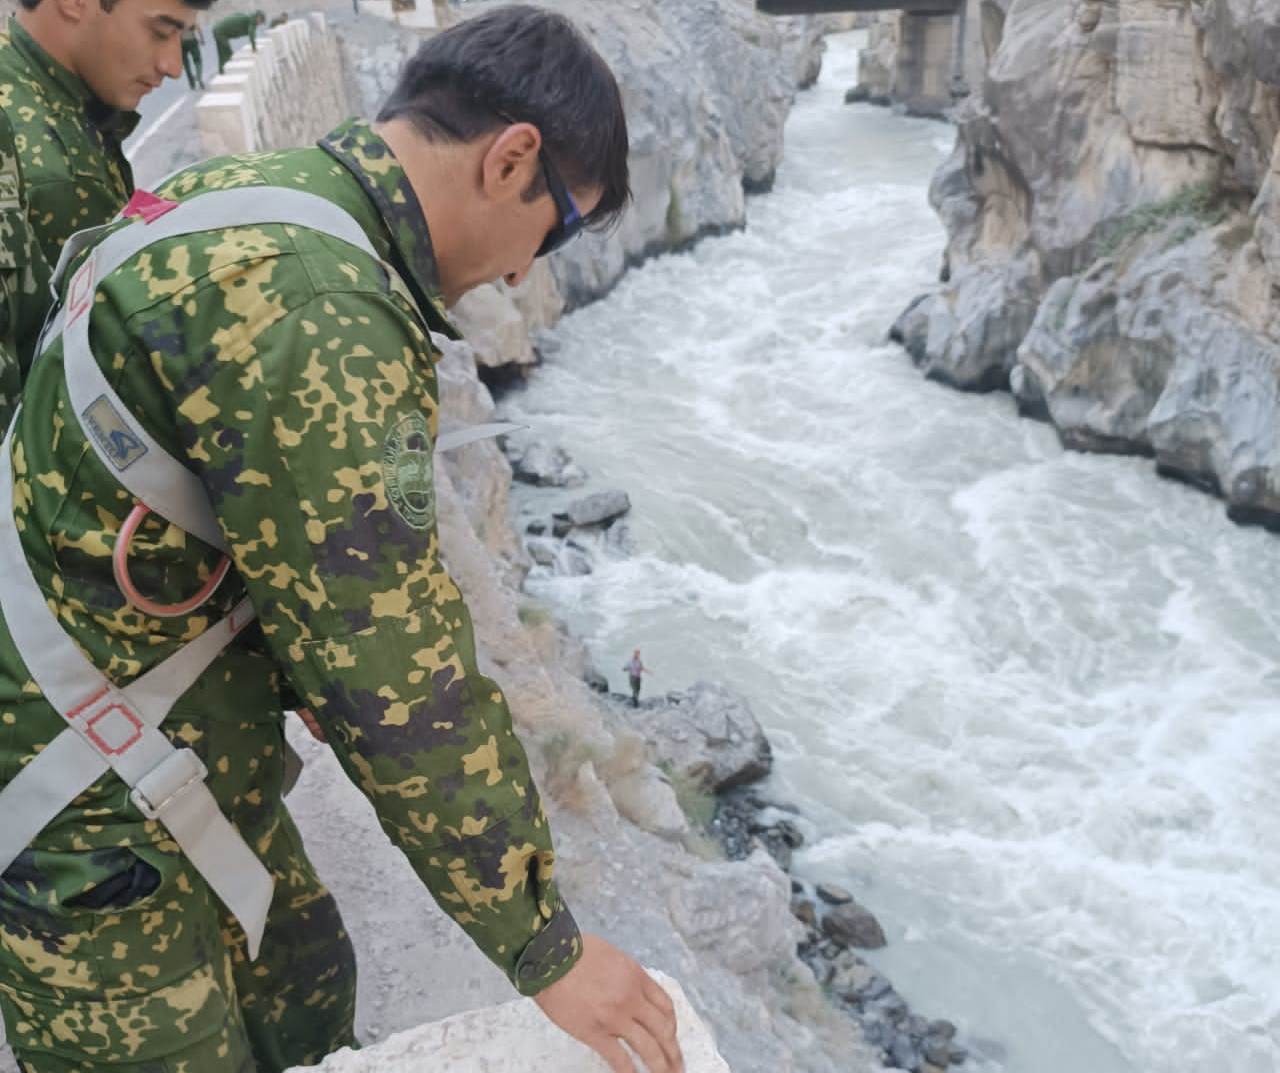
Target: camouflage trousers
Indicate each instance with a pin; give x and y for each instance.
(158, 980)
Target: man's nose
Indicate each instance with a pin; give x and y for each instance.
(170, 64)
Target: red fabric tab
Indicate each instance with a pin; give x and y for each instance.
(146, 205)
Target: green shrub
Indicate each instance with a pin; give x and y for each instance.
(1201, 205)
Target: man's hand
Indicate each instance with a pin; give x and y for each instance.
(607, 998)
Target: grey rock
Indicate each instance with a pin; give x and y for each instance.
(539, 463)
(878, 1033)
(706, 732)
(543, 552)
(561, 526)
(597, 681)
(857, 979)
(937, 1051)
(942, 1029)
(574, 562)
(536, 528)
(600, 508)
(833, 895)
(893, 1007)
(852, 925)
(903, 1053)
(805, 912)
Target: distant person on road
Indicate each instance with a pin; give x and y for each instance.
(635, 668)
(192, 56)
(236, 26)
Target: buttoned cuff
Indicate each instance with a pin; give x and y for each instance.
(549, 955)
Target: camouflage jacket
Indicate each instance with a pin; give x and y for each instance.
(69, 143)
(279, 364)
(239, 25)
(24, 279)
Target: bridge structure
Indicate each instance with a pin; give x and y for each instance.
(825, 7)
(938, 46)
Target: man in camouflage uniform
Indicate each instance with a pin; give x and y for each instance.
(244, 24)
(294, 375)
(24, 280)
(70, 79)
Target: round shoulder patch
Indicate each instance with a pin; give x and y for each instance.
(407, 471)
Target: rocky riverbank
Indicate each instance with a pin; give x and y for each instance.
(707, 746)
(1113, 209)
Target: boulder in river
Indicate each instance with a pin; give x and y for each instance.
(542, 464)
(600, 508)
(707, 733)
(852, 925)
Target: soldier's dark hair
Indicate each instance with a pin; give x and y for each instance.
(530, 65)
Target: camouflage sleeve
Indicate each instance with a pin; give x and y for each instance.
(24, 280)
(316, 444)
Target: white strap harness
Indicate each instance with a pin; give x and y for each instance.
(117, 728)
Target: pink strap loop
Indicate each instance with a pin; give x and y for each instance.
(120, 567)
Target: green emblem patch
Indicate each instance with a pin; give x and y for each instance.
(407, 471)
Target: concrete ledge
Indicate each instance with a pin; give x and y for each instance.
(225, 123)
(513, 1038)
(286, 93)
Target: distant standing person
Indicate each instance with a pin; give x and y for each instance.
(192, 56)
(233, 26)
(635, 668)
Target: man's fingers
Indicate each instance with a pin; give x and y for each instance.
(608, 1048)
(653, 1026)
(654, 992)
(644, 1043)
(662, 1030)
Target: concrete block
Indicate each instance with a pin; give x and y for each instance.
(513, 1038)
(224, 122)
(257, 73)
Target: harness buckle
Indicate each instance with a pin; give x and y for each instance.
(167, 781)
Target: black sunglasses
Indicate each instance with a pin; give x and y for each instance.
(571, 219)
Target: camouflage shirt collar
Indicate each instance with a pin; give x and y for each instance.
(371, 161)
(53, 76)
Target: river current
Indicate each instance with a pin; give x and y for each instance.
(1026, 698)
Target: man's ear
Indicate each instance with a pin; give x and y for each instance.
(74, 10)
(511, 162)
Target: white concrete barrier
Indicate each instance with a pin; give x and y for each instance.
(514, 1038)
(225, 123)
(287, 92)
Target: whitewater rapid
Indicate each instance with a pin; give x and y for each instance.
(1027, 698)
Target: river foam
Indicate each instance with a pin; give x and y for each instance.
(1028, 697)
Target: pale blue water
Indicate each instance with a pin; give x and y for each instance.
(1027, 697)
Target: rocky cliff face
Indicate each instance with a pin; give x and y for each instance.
(1113, 209)
(708, 86)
